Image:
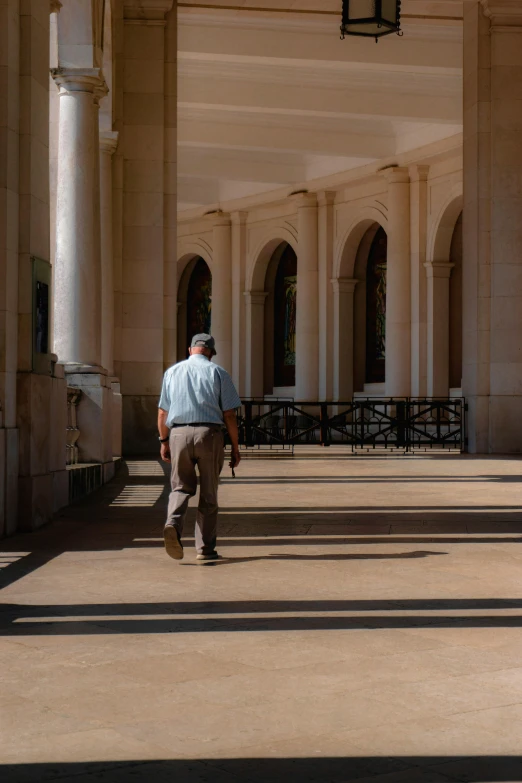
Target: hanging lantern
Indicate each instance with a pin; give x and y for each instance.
(371, 18)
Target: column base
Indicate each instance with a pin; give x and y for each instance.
(94, 413)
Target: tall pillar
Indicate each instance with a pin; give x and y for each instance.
(307, 316)
(418, 232)
(108, 144)
(77, 310)
(222, 289)
(254, 354)
(77, 303)
(398, 285)
(326, 236)
(239, 247)
(343, 338)
(438, 275)
(492, 258)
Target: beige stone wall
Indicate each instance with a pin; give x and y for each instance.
(33, 482)
(148, 268)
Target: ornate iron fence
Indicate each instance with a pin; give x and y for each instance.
(402, 425)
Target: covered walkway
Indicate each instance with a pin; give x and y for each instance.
(364, 624)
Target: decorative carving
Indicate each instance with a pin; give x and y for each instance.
(72, 432)
(55, 6)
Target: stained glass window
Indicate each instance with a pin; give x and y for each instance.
(376, 309)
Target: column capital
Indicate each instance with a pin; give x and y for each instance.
(80, 80)
(343, 285)
(255, 297)
(108, 141)
(396, 175)
(305, 200)
(503, 13)
(239, 218)
(219, 219)
(418, 173)
(55, 6)
(438, 268)
(326, 198)
(146, 11)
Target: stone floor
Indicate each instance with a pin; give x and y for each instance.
(364, 624)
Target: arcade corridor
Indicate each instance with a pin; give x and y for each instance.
(364, 624)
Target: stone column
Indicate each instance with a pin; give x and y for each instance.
(326, 236)
(398, 285)
(77, 304)
(492, 235)
(108, 144)
(254, 355)
(418, 229)
(343, 338)
(77, 307)
(222, 289)
(307, 326)
(438, 275)
(239, 246)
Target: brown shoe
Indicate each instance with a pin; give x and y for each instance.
(173, 545)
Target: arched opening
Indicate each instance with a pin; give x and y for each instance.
(280, 322)
(194, 303)
(369, 333)
(455, 309)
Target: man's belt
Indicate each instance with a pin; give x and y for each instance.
(196, 424)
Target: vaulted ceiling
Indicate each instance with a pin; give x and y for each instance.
(273, 98)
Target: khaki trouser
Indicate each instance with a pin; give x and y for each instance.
(204, 447)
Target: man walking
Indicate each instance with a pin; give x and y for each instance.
(197, 398)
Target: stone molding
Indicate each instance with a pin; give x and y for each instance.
(305, 200)
(438, 269)
(108, 142)
(343, 285)
(239, 218)
(146, 11)
(503, 13)
(220, 219)
(326, 198)
(397, 175)
(80, 80)
(419, 173)
(255, 297)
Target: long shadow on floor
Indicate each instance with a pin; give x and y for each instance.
(397, 769)
(317, 615)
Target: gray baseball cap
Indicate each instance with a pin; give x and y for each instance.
(204, 341)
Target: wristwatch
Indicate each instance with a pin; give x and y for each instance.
(163, 440)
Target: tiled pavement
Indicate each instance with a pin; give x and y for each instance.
(364, 624)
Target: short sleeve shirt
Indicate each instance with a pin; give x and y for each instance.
(197, 390)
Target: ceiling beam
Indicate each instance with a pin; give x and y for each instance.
(262, 96)
(259, 137)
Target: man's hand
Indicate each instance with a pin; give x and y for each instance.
(165, 452)
(231, 425)
(235, 458)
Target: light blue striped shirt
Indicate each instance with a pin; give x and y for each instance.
(197, 390)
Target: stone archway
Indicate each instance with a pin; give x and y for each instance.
(350, 303)
(260, 303)
(444, 291)
(194, 301)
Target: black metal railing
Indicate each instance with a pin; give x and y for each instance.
(367, 424)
